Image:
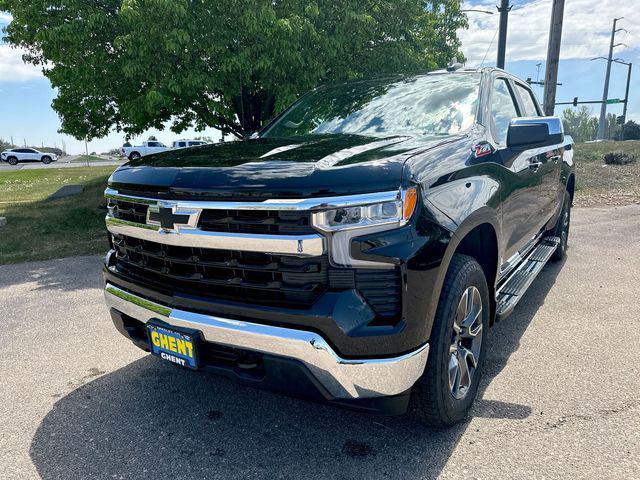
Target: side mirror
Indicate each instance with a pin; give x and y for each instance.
(534, 132)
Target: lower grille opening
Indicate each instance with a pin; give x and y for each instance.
(222, 274)
(253, 278)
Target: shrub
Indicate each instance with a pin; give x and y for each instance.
(618, 158)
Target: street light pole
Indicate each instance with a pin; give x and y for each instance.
(626, 101)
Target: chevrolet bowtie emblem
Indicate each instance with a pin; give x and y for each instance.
(169, 217)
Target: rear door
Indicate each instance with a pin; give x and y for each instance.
(550, 158)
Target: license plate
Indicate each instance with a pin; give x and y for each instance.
(173, 346)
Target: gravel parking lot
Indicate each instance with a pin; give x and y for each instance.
(560, 396)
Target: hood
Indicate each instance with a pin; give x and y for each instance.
(293, 167)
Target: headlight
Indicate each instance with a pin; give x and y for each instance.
(343, 223)
(393, 213)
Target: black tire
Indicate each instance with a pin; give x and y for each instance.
(561, 229)
(433, 399)
(134, 156)
(12, 160)
(46, 160)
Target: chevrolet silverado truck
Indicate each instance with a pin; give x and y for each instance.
(356, 250)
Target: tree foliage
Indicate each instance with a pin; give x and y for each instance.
(631, 130)
(230, 64)
(580, 124)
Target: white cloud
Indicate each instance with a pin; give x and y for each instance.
(5, 17)
(586, 29)
(12, 68)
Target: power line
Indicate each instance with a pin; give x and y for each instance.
(489, 47)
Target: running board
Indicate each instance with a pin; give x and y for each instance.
(514, 287)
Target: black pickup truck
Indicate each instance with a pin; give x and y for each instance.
(355, 250)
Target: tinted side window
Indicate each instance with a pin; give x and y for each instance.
(181, 144)
(528, 103)
(153, 144)
(503, 109)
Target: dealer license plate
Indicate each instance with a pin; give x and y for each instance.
(173, 346)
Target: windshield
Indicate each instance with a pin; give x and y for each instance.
(441, 104)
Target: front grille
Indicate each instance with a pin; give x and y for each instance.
(223, 274)
(271, 222)
(129, 211)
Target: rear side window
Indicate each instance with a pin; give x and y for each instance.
(182, 144)
(528, 103)
(503, 110)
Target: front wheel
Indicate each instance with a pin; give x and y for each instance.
(46, 160)
(444, 394)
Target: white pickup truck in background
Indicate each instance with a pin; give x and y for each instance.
(187, 143)
(153, 146)
(147, 148)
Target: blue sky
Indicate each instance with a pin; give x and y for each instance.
(25, 95)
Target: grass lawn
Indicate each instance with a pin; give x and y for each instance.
(40, 229)
(90, 158)
(600, 184)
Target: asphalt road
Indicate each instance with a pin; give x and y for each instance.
(560, 396)
(63, 162)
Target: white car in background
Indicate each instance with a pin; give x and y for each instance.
(16, 155)
(187, 143)
(147, 148)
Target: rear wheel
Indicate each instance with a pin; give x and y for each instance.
(562, 229)
(12, 160)
(448, 387)
(46, 160)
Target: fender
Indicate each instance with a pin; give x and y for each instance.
(425, 284)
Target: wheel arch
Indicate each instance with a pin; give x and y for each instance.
(478, 237)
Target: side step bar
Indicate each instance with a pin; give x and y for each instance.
(511, 291)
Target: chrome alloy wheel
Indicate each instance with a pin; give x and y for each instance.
(466, 342)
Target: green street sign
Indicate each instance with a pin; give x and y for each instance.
(613, 100)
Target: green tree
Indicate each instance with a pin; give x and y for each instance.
(580, 124)
(229, 64)
(4, 145)
(612, 129)
(631, 130)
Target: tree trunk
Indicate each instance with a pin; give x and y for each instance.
(253, 109)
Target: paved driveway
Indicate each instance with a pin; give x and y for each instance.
(560, 396)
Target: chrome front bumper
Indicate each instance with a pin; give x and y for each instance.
(342, 378)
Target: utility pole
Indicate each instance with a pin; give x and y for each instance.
(504, 10)
(605, 92)
(553, 57)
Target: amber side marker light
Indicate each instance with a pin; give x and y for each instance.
(410, 202)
